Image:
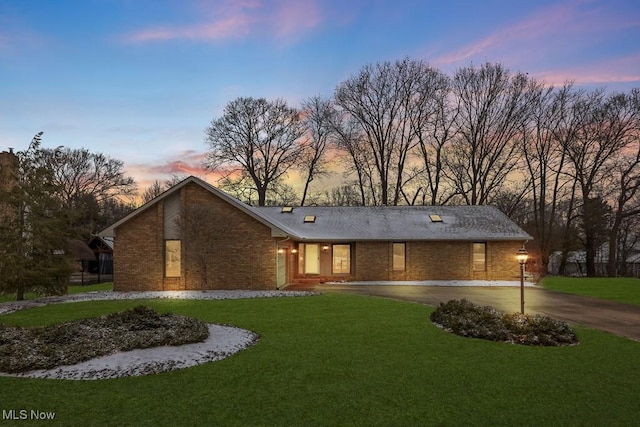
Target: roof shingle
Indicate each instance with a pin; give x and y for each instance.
(400, 223)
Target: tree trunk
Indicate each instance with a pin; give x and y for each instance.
(590, 249)
(612, 263)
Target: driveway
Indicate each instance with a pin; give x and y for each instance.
(617, 318)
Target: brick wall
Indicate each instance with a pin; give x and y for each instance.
(436, 260)
(8, 180)
(240, 252)
(501, 261)
(372, 261)
(243, 251)
(440, 260)
(138, 258)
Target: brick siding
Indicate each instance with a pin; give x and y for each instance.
(240, 253)
(435, 260)
(243, 253)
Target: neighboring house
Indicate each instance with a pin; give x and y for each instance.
(82, 256)
(194, 236)
(102, 247)
(576, 263)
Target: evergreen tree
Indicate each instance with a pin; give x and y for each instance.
(34, 228)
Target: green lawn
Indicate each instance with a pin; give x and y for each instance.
(345, 360)
(625, 290)
(73, 289)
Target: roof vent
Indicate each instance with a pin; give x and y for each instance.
(309, 218)
(286, 209)
(435, 218)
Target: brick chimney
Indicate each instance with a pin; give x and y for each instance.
(8, 169)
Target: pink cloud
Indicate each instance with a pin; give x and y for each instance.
(541, 23)
(620, 70)
(185, 163)
(229, 27)
(296, 15)
(544, 33)
(237, 19)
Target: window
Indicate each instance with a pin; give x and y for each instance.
(286, 209)
(399, 256)
(172, 258)
(341, 259)
(435, 218)
(479, 256)
(309, 218)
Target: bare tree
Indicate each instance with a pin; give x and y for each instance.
(607, 126)
(78, 173)
(278, 193)
(154, 190)
(318, 121)
(157, 187)
(349, 138)
(434, 129)
(344, 195)
(493, 106)
(545, 161)
(384, 99)
(257, 137)
(625, 174)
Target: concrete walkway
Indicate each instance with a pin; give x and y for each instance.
(617, 318)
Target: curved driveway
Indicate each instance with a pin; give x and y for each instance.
(617, 318)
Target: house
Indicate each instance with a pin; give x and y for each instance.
(576, 262)
(194, 236)
(102, 247)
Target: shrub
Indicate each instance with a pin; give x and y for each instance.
(27, 349)
(464, 318)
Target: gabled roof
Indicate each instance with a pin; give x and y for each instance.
(275, 230)
(353, 223)
(101, 241)
(401, 223)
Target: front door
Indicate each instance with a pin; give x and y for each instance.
(311, 258)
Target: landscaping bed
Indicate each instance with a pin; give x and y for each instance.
(464, 318)
(26, 349)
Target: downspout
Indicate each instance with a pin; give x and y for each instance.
(277, 243)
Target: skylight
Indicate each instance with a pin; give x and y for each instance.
(435, 218)
(309, 218)
(287, 209)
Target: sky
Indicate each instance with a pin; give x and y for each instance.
(140, 80)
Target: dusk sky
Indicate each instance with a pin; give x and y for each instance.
(140, 80)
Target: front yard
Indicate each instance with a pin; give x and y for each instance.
(345, 360)
(626, 290)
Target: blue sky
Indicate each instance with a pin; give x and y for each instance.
(140, 80)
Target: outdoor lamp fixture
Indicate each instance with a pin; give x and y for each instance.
(325, 248)
(294, 251)
(522, 257)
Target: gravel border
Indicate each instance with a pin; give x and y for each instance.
(223, 341)
(13, 306)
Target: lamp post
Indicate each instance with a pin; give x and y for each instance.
(522, 256)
